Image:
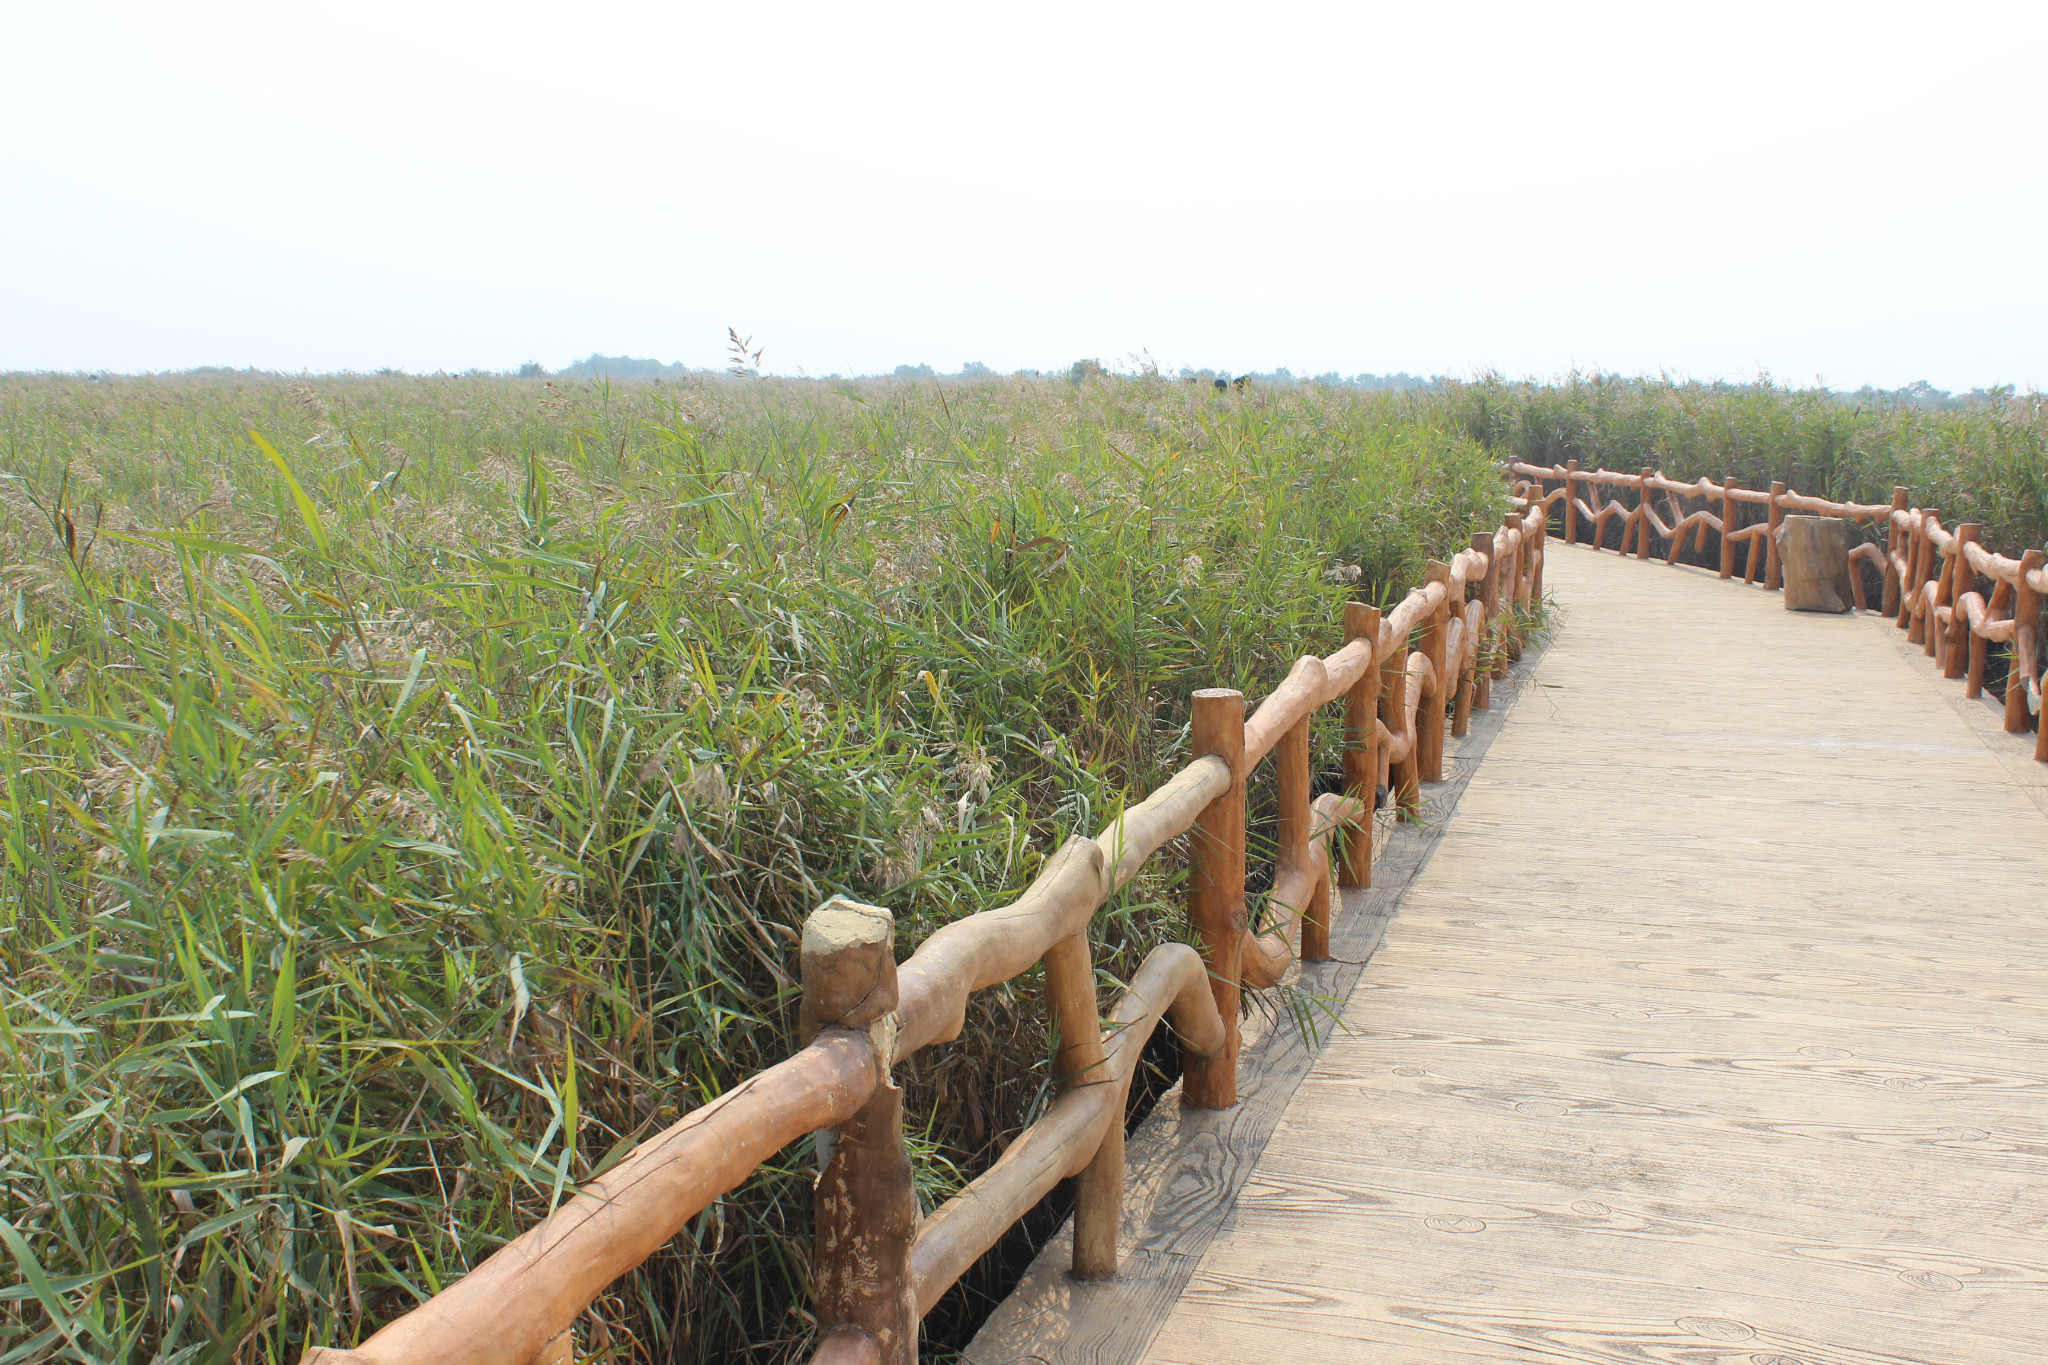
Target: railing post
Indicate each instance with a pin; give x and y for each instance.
(1507, 574)
(1916, 578)
(866, 1202)
(1678, 532)
(1774, 568)
(1962, 580)
(1934, 639)
(1429, 715)
(1571, 506)
(1728, 506)
(1892, 585)
(1501, 600)
(1291, 780)
(1099, 1193)
(1540, 549)
(1461, 706)
(1489, 605)
(1361, 758)
(1643, 511)
(1517, 595)
(1216, 891)
(1930, 634)
(2026, 641)
(1402, 787)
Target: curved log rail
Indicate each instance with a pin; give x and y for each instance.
(1935, 579)
(877, 1267)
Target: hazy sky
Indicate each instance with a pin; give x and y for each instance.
(1848, 192)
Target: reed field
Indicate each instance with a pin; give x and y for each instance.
(414, 785)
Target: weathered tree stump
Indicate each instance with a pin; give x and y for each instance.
(1815, 555)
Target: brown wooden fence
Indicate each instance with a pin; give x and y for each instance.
(878, 1267)
(1934, 578)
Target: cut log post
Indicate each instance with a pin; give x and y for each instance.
(1502, 592)
(1571, 502)
(1098, 1195)
(1943, 568)
(1910, 579)
(1860, 553)
(1461, 703)
(1728, 506)
(1643, 514)
(1932, 568)
(846, 1346)
(1489, 603)
(1070, 993)
(1315, 920)
(1935, 646)
(1962, 580)
(1402, 785)
(1361, 755)
(866, 1201)
(1892, 583)
(2026, 644)
(1291, 781)
(1814, 553)
(1216, 891)
(1511, 641)
(849, 967)
(1429, 716)
(1774, 568)
(1920, 556)
(1979, 647)
(1099, 1201)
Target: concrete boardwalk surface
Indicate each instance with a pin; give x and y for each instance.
(1715, 1028)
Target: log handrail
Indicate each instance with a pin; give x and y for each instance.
(507, 1310)
(1701, 488)
(1933, 575)
(878, 1268)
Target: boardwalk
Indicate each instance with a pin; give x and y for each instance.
(1714, 1029)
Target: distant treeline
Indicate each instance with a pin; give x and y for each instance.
(1917, 395)
(634, 367)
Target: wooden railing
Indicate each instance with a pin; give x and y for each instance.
(1933, 578)
(877, 1267)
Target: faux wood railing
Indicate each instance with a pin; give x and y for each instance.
(1934, 579)
(877, 1266)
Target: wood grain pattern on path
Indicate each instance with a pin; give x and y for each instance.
(1715, 1029)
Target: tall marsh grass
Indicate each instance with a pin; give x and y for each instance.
(412, 788)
